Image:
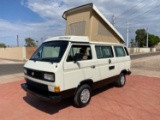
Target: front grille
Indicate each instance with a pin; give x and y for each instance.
(35, 74)
(36, 85)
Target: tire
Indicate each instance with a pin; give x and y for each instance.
(82, 96)
(121, 81)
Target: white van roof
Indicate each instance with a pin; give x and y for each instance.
(81, 39)
(106, 43)
(69, 38)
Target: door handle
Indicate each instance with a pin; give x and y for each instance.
(111, 67)
(93, 66)
(109, 61)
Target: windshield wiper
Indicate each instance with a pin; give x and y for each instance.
(43, 59)
(47, 60)
(34, 59)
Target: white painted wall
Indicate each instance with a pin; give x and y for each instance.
(141, 50)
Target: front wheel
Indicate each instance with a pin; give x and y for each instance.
(82, 96)
(121, 81)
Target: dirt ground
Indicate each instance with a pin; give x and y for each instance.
(149, 66)
(3, 61)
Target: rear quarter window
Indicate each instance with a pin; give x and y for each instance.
(119, 51)
(126, 51)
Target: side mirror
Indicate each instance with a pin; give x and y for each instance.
(77, 57)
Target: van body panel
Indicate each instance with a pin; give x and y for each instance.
(107, 69)
(41, 66)
(127, 62)
(104, 82)
(75, 72)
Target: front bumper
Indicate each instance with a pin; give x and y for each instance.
(47, 96)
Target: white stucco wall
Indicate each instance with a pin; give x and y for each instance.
(141, 50)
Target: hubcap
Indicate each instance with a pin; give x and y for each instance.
(85, 95)
(122, 80)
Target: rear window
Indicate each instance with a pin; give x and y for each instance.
(119, 51)
(126, 51)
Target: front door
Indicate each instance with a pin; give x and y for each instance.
(79, 65)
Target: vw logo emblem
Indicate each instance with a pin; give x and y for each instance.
(32, 73)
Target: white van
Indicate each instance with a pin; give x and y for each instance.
(74, 66)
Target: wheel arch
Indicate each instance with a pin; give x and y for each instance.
(87, 81)
(124, 72)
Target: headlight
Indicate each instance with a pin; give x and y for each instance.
(49, 77)
(25, 71)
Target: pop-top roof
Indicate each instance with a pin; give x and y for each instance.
(99, 13)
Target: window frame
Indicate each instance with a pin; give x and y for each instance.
(126, 50)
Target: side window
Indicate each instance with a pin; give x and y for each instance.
(104, 52)
(107, 51)
(119, 51)
(126, 51)
(80, 52)
(99, 52)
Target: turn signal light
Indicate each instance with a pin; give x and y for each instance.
(56, 89)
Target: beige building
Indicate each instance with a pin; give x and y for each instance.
(88, 20)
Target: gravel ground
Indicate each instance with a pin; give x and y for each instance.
(149, 66)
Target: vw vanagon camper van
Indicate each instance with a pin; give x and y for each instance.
(74, 66)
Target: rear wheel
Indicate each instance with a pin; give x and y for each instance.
(121, 81)
(82, 96)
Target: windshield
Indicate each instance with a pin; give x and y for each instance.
(50, 51)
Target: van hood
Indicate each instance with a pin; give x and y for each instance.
(41, 66)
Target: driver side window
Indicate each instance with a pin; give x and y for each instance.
(79, 52)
